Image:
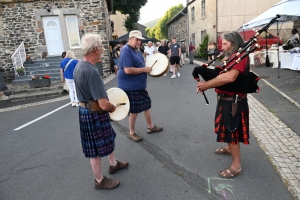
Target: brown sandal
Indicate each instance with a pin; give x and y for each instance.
(154, 129)
(222, 150)
(135, 137)
(229, 173)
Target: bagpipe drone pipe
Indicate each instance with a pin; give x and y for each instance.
(245, 82)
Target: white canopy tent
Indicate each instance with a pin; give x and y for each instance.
(289, 10)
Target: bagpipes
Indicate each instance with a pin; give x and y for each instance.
(245, 82)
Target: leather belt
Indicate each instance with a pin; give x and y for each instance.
(229, 98)
(83, 104)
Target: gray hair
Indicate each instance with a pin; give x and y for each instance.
(235, 39)
(70, 54)
(89, 42)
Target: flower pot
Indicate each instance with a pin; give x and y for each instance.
(21, 73)
(28, 62)
(40, 83)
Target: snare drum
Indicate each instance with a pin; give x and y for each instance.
(159, 63)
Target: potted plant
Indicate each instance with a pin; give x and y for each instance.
(28, 60)
(20, 71)
(40, 81)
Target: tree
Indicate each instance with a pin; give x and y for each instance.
(132, 8)
(203, 47)
(160, 31)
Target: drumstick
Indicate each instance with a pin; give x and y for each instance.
(120, 104)
(153, 63)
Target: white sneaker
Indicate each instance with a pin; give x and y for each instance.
(173, 76)
(178, 74)
(73, 104)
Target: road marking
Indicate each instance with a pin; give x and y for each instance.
(283, 94)
(41, 117)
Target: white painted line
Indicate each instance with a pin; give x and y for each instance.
(283, 94)
(41, 117)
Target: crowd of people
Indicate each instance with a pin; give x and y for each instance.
(96, 132)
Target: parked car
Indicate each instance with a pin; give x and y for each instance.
(247, 34)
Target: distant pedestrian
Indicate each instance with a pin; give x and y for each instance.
(211, 51)
(63, 55)
(163, 48)
(149, 50)
(97, 134)
(191, 53)
(183, 52)
(116, 58)
(175, 52)
(67, 67)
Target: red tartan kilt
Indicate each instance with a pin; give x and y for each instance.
(241, 134)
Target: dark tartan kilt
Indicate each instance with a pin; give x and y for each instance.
(97, 134)
(232, 129)
(139, 101)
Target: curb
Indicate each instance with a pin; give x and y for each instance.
(105, 80)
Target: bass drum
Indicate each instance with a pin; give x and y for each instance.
(159, 63)
(120, 99)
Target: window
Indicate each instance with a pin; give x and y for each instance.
(203, 13)
(193, 39)
(73, 32)
(203, 34)
(193, 14)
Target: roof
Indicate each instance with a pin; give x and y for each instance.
(183, 12)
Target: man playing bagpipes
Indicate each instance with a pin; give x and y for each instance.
(232, 113)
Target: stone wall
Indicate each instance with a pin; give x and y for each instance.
(22, 21)
(179, 29)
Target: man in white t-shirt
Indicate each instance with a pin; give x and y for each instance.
(149, 50)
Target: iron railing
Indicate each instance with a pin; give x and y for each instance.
(19, 57)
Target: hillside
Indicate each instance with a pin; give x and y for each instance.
(151, 23)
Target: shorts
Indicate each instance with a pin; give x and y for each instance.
(116, 61)
(175, 60)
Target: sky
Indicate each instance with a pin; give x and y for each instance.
(154, 9)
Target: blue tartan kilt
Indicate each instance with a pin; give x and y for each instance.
(97, 134)
(139, 101)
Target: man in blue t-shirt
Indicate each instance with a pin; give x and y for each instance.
(132, 78)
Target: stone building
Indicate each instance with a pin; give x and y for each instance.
(232, 14)
(50, 27)
(119, 28)
(202, 17)
(178, 26)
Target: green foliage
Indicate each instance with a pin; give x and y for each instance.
(132, 8)
(151, 23)
(160, 31)
(20, 69)
(203, 47)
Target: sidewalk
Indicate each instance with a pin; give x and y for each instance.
(279, 142)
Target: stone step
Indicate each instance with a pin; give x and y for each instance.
(42, 64)
(34, 95)
(28, 69)
(25, 81)
(54, 58)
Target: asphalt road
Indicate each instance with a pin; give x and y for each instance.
(44, 160)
